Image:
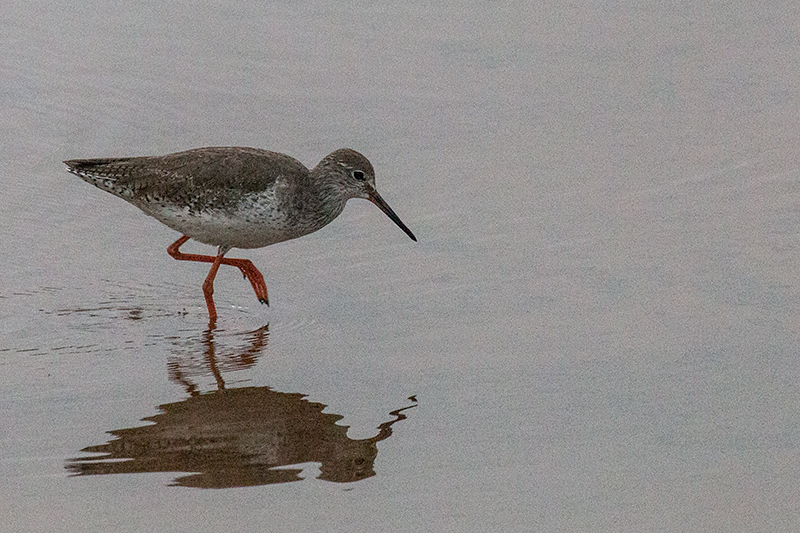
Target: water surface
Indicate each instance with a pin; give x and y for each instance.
(597, 330)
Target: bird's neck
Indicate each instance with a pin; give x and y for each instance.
(322, 203)
(332, 201)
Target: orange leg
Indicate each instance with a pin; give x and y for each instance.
(245, 265)
(208, 289)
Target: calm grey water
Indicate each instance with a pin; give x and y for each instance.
(598, 330)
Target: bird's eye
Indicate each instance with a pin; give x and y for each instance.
(357, 174)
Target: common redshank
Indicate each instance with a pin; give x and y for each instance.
(233, 197)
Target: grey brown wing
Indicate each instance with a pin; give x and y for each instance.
(192, 178)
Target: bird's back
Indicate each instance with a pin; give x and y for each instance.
(194, 179)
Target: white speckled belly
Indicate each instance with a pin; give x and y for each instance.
(254, 223)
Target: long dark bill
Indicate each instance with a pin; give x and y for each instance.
(376, 199)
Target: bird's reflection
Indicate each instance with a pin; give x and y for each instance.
(187, 361)
(233, 437)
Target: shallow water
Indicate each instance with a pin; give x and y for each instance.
(597, 330)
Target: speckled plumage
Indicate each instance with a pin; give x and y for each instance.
(236, 197)
(231, 197)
